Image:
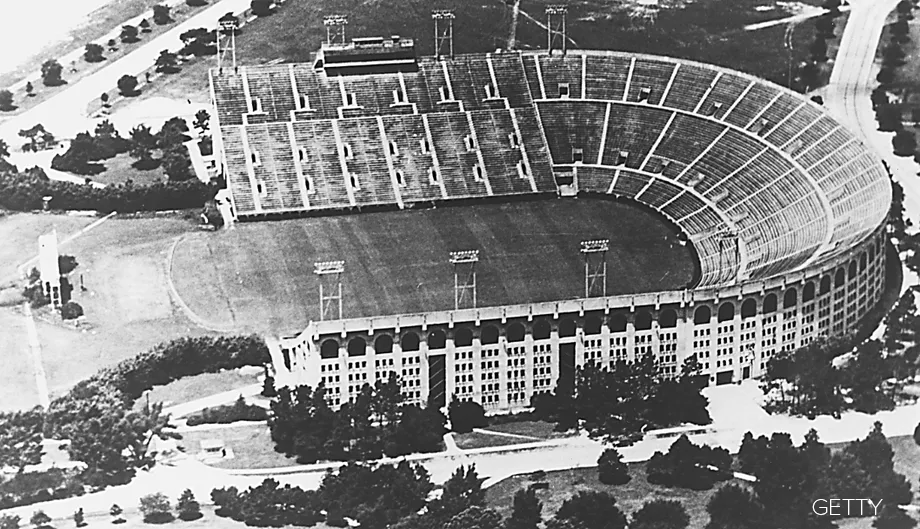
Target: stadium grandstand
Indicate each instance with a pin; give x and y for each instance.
(784, 207)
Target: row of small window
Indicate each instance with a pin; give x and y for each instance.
(463, 366)
(328, 367)
(327, 381)
(411, 371)
(721, 340)
(668, 359)
(356, 377)
(411, 395)
(516, 351)
(701, 332)
(412, 382)
(491, 364)
(516, 373)
(700, 343)
(487, 388)
(514, 362)
(542, 360)
(541, 371)
(460, 379)
(517, 397)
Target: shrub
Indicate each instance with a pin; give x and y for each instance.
(686, 465)
(78, 518)
(156, 509)
(238, 411)
(188, 507)
(40, 519)
(904, 143)
(161, 15)
(129, 34)
(127, 85)
(9, 521)
(268, 386)
(6, 101)
(71, 310)
(93, 53)
(466, 415)
(610, 468)
(116, 511)
(51, 73)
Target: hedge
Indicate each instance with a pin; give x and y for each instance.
(24, 190)
(238, 411)
(26, 488)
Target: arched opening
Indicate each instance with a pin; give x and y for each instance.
(463, 337)
(726, 312)
(437, 339)
(808, 293)
(541, 330)
(790, 298)
(851, 273)
(515, 332)
(643, 320)
(862, 262)
(667, 319)
(839, 278)
(489, 335)
(825, 285)
(702, 315)
(617, 322)
(769, 304)
(357, 347)
(383, 344)
(749, 308)
(592, 325)
(566, 328)
(329, 349)
(410, 342)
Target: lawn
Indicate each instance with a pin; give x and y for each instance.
(541, 429)
(708, 30)
(118, 170)
(18, 390)
(199, 386)
(466, 441)
(19, 233)
(260, 275)
(251, 445)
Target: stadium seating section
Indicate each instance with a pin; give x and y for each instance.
(761, 180)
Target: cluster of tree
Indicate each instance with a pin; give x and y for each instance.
(6, 101)
(621, 403)
(789, 477)
(161, 15)
(39, 139)
(52, 73)
(26, 488)
(98, 417)
(170, 142)
(690, 466)
(93, 53)
(157, 509)
(611, 470)
(376, 423)
(167, 62)
(238, 411)
(806, 381)
(261, 8)
(199, 42)
(807, 72)
(86, 150)
(901, 330)
(465, 415)
(127, 86)
(889, 114)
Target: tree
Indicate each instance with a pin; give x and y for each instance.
(733, 507)
(79, 157)
(127, 85)
(105, 99)
(825, 26)
(888, 117)
(78, 518)
(144, 26)
(187, 507)
(161, 15)
(268, 386)
(202, 121)
(167, 62)
(9, 521)
(177, 164)
(592, 510)
(610, 468)
(818, 49)
(6, 101)
(143, 142)
(93, 53)
(129, 34)
(660, 514)
(172, 133)
(116, 511)
(893, 517)
(526, 510)
(893, 55)
(4, 150)
(30, 90)
(261, 8)
(155, 508)
(904, 143)
(51, 73)
(66, 264)
(885, 76)
(199, 42)
(466, 415)
(462, 490)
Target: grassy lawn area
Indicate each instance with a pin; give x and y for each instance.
(465, 441)
(18, 390)
(200, 386)
(541, 429)
(630, 497)
(251, 444)
(97, 24)
(19, 233)
(118, 170)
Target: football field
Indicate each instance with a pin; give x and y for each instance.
(259, 276)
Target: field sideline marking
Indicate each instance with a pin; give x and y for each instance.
(174, 294)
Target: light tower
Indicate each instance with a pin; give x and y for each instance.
(464, 278)
(330, 288)
(555, 24)
(335, 28)
(595, 252)
(226, 26)
(443, 31)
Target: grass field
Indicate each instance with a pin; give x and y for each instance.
(251, 445)
(260, 275)
(199, 386)
(705, 30)
(19, 233)
(118, 170)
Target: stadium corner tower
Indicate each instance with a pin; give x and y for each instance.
(784, 207)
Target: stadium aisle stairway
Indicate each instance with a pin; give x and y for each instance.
(322, 164)
(449, 131)
(688, 88)
(408, 134)
(512, 83)
(649, 77)
(633, 129)
(495, 131)
(367, 167)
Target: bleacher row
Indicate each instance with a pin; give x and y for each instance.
(341, 163)
(716, 151)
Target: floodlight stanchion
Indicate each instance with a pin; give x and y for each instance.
(335, 28)
(464, 264)
(443, 16)
(555, 16)
(330, 275)
(595, 252)
(224, 26)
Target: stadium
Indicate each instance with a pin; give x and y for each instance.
(482, 224)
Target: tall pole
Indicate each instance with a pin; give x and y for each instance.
(595, 250)
(443, 35)
(329, 271)
(464, 260)
(555, 13)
